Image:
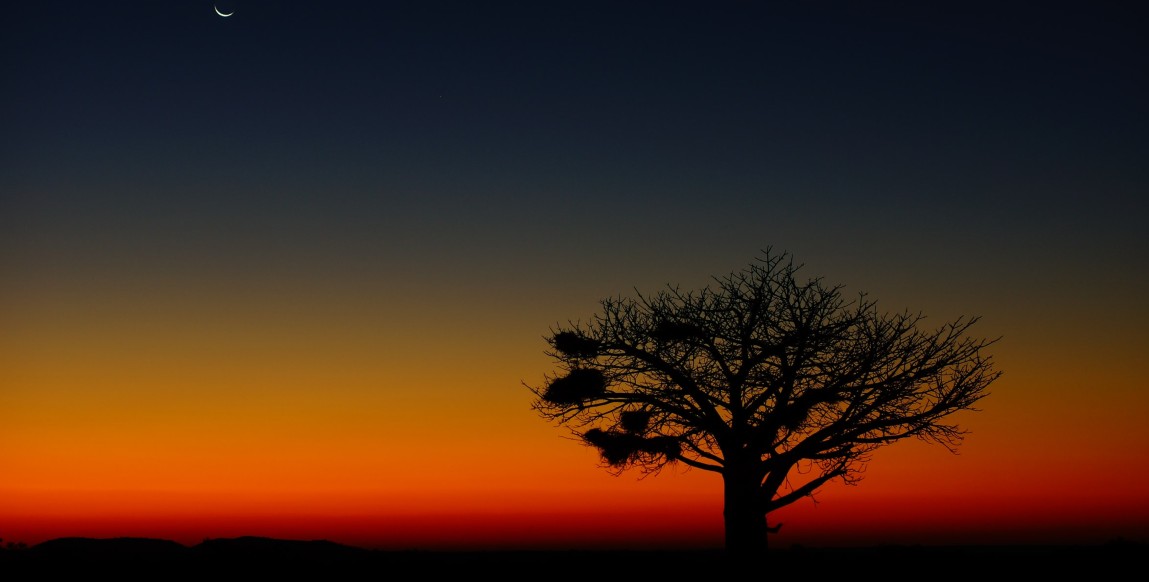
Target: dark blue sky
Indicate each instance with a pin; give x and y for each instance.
(158, 133)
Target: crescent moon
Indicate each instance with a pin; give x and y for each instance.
(216, 8)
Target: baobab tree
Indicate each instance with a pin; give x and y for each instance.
(778, 384)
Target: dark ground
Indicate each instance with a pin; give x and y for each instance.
(247, 557)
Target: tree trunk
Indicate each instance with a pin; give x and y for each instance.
(743, 514)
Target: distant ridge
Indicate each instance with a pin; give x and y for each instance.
(163, 559)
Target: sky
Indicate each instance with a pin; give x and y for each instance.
(287, 273)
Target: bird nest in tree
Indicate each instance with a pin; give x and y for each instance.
(635, 421)
(580, 385)
(618, 447)
(573, 344)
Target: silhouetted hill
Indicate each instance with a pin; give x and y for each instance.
(122, 549)
(214, 553)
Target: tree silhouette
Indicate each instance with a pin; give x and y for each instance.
(777, 384)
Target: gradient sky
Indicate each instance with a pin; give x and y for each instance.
(285, 273)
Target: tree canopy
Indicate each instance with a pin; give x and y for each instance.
(779, 384)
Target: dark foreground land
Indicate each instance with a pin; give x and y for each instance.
(245, 557)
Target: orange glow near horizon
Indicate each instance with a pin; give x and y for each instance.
(190, 429)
